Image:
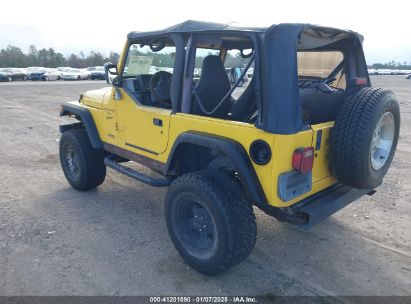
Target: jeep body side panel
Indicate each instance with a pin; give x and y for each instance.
(282, 147)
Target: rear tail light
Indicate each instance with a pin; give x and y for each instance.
(303, 159)
(361, 81)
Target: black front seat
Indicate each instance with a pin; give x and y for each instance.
(246, 104)
(211, 89)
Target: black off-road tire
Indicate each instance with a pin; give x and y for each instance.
(352, 135)
(232, 216)
(89, 170)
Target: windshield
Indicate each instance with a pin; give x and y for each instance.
(146, 59)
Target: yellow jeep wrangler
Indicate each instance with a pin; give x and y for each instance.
(305, 136)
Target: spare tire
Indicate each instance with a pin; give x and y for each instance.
(364, 137)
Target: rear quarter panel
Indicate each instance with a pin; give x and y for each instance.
(282, 147)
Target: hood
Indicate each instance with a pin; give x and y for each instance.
(94, 98)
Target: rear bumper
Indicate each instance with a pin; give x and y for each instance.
(312, 210)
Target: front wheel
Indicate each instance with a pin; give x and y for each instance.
(211, 225)
(82, 165)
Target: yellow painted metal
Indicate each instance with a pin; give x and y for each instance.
(136, 126)
(93, 98)
(321, 168)
(123, 121)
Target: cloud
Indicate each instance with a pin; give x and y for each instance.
(22, 36)
(88, 25)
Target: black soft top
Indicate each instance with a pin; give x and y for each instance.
(280, 107)
(191, 26)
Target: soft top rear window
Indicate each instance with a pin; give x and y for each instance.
(318, 64)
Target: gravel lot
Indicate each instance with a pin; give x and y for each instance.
(113, 241)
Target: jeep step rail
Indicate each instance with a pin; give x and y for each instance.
(112, 161)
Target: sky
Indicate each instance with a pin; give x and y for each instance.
(74, 25)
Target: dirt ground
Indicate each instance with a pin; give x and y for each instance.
(113, 240)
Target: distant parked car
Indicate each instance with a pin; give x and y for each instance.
(11, 74)
(97, 73)
(45, 74)
(373, 72)
(235, 73)
(250, 72)
(153, 69)
(29, 70)
(407, 76)
(75, 74)
(197, 73)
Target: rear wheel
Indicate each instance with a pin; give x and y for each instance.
(82, 165)
(364, 138)
(211, 225)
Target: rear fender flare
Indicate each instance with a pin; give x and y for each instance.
(232, 150)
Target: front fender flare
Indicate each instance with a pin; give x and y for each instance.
(234, 151)
(84, 115)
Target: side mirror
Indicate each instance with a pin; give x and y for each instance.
(110, 70)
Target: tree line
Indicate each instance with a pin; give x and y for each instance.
(13, 56)
(393, 65)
